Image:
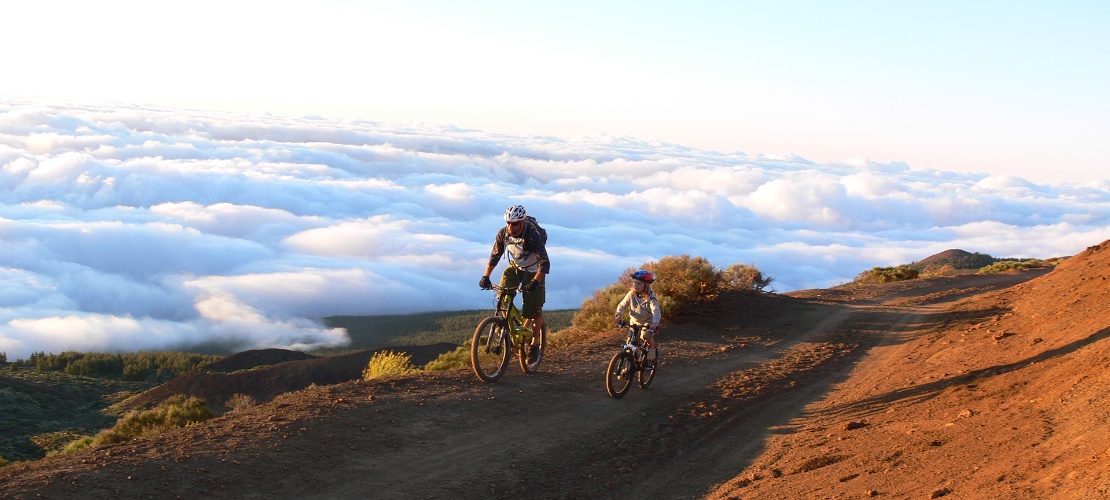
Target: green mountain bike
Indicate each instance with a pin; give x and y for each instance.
(501, 334)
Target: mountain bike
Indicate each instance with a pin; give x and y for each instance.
(501, 334)
(631, 361)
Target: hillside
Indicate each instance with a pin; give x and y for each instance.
(968, 386)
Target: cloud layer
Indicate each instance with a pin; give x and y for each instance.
(126, 228)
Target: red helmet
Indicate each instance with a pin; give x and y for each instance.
(643, 275)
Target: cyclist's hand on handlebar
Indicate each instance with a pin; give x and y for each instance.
(484, 283)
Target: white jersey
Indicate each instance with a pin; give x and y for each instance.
(641, 310)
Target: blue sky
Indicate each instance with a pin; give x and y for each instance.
(996, 87)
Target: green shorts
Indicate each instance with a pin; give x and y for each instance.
(533, 301)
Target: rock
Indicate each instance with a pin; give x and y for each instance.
(940, 493)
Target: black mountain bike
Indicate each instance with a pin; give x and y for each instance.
(631, 361)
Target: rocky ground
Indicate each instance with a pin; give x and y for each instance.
(973, 386)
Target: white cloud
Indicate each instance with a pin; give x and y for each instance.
(127, 228)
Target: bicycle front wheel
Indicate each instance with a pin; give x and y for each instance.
(618, 378)
(529, 361)
(646, 375)
(489, 349)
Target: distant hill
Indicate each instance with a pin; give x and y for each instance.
(953, 260)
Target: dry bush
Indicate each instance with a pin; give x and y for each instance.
(597, 311)
(239, 401)
(743, 277)
(692, 283)
(683, 284)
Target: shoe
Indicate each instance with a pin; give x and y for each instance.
(533, 351)
(648, 365)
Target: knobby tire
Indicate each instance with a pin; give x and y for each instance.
(645, 376)
(489, 349)
(618, 377)
(535, 364)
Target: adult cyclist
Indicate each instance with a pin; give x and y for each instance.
(528, 265)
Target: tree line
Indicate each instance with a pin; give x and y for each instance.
(137, 366)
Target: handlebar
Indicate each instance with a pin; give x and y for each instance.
(637, 328)
(499, 288)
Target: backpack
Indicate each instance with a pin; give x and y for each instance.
(528, 219)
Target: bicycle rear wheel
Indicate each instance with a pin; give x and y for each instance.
(531, 365)
(618, 378)
(646, 375)
(489, 349)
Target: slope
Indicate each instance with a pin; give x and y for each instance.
(902, 389)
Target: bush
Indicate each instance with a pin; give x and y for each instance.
(596, 313)
(3, 462)
(75, 445)
(684, 285)
(741, 277)
(691, 283)
(1006, 265)
(459, 358)
(239, 401)
(887, 274)
(388, 364)
(176, 411)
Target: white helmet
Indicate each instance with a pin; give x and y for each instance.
(514, 213)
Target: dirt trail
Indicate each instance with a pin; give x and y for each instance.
(732, 391)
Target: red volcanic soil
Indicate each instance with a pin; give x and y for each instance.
(972, 386)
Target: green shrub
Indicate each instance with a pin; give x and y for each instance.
(1006, 265)
(3, 462)
(54, 442)
(385, 364)
(176, 411)
(887, 274)
(75, 445)
(459, 358)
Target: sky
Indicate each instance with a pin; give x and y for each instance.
(1005, 88)
(174, 174)
(126, 228)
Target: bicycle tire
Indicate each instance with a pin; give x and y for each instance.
(618, 377)
(535, 364)
(646, 375)
(489, 349)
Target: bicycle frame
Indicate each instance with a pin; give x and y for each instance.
(631, 359)
(520, 328)
(506, 332)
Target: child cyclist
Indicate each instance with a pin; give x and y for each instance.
(643, 308)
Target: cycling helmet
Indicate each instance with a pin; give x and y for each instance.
(514, 213)
(643, 275)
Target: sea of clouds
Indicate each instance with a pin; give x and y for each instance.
(126, 228)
